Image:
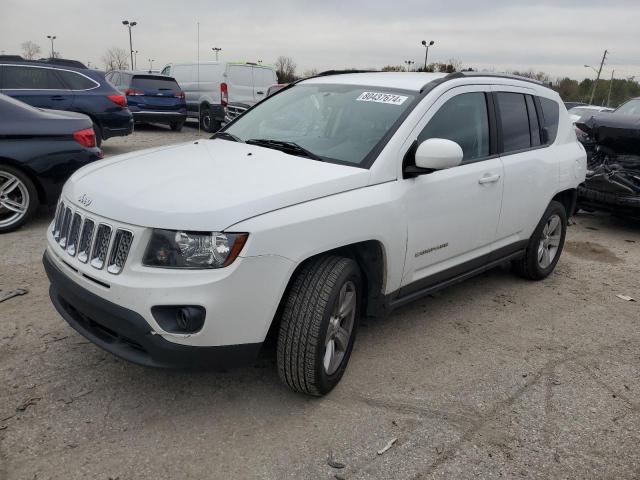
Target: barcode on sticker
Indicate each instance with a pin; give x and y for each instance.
(379, 97)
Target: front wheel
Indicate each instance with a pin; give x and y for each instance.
(545, 245)
(18, 198)
(207, 122)
(176, 126)
(318, 324)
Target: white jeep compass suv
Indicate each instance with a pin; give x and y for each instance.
(340, 196)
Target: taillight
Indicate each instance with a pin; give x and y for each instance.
(179, 95)
(120, 100)
(133, 92)
(86, 137)
(224, 94)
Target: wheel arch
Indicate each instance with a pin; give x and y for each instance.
(42, 196)
(568, 198)
(371, 257)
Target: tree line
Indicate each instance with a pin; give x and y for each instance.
(608, 92)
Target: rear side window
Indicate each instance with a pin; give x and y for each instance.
(514, 120)
(533, 122)
(143, 82)
(464, 120)
(31, 78)
(75, 81)
(241, 75)
(550, 118)
(263, 77)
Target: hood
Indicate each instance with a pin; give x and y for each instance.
(615, 132)
(205, 185)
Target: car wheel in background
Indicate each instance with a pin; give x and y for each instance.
(318, 324)
(98, 133)
(176, 126)
(18, 198)
(207, 122)
(545, 245)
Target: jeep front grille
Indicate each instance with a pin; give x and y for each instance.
(84, 246)
(91, 240)
(74, 233)
(119, 251)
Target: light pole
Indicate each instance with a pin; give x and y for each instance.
(135, 57)
(426, 52)
(151, 60)
(130, 25)
(52, 38)
(216, 49)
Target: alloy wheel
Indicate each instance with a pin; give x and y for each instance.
(340, 328)
(550, 241)
(14, 199)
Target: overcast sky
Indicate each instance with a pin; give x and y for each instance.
(556, 36)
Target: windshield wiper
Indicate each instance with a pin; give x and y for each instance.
(226, 136)
(284, 146)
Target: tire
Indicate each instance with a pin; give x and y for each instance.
(309, 324)
(545, 245)
(207, 122)
(176, 126)
(16, 189)
(96, 129)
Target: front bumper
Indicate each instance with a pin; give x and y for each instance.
(127, 335)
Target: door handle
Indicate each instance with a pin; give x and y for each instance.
(260, 93)
(489, 179)
(57, 97)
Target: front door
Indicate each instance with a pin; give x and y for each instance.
(453, 214)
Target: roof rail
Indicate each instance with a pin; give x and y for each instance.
(455, 75)
(341, 72)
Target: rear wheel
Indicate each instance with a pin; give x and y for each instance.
(545, 245)
(318, 324)
(18, 198)
(176, 126)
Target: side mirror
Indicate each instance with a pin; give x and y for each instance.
(438, 154)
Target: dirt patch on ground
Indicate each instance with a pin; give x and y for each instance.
(591, 251)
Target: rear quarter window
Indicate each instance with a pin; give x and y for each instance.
(550, 118)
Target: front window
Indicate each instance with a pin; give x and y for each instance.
(632, 107)
(339, 123)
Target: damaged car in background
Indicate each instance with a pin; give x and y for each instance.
(612, 183)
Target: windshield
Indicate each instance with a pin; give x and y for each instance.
(632, 107)
(340, 123)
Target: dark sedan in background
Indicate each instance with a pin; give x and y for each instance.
(61, 87)
(39, 150)
(151, 98)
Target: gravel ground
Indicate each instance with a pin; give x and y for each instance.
(495, 377)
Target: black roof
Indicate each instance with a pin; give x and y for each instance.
(65, 62)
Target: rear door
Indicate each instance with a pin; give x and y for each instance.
(263, 78)
(240, 83)
(530, 167)
(38, 86)
(156, 93)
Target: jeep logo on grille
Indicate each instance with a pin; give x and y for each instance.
(84, 200)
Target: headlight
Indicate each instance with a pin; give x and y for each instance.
(178, 249)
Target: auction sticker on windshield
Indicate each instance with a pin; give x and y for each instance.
(379, 97)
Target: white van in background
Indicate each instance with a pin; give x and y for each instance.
(209, 86)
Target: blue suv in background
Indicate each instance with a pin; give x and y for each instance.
(151, 98)
(61, 87)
